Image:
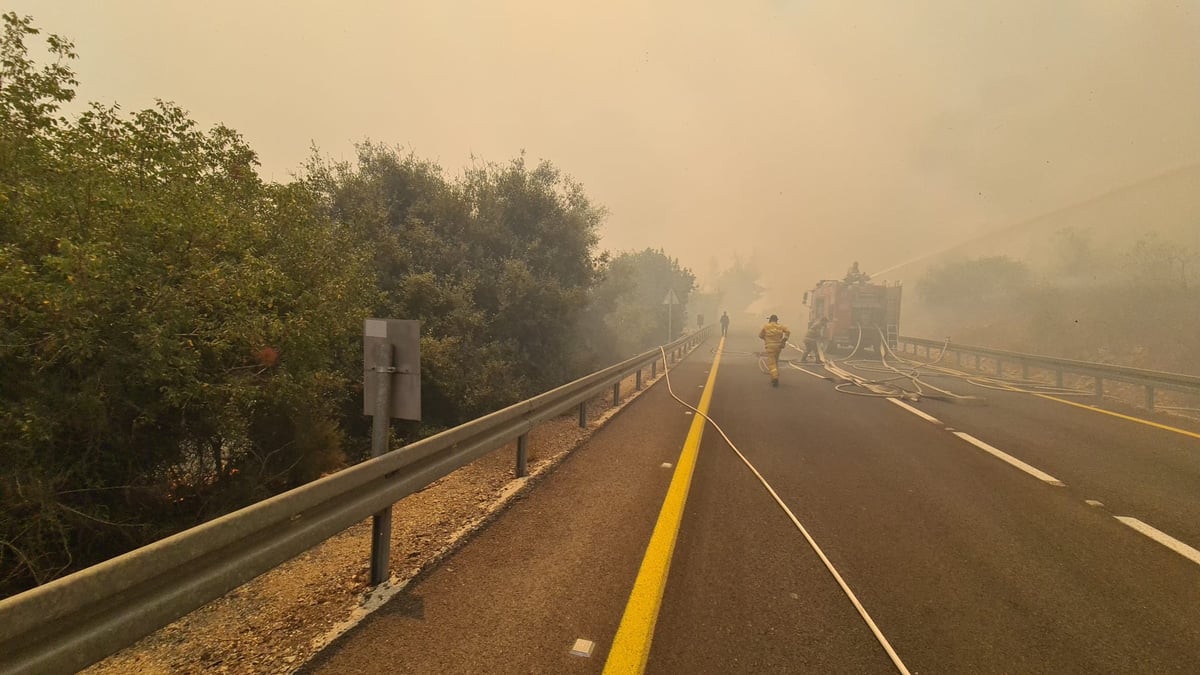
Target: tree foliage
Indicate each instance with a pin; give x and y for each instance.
(179, 338)
(1075, 252)
(496, 265)
(979, 285)
(1157, 263)
(738, 285)
(627, 314)
(174, 334)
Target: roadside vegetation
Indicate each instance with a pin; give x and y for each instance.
(1134, 303)
(179, 338)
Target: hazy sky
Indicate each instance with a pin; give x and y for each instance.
(807, 134)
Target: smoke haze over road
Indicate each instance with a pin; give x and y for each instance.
(802, 134)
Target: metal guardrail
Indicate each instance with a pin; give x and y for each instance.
(1152, 380)
(72, 622)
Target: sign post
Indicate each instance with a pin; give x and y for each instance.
(670, 301)
(391, 388)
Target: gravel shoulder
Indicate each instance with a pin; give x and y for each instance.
(278, 621)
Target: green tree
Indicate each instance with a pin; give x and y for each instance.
(179, 338)
(496, 265)
(628, 304)
(979, 286)
(1158, 263)
(738, 285)
(1075, 251)
(175, 335)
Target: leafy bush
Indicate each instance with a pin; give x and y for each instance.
(175, 335)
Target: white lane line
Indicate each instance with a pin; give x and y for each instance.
(1162, 538)
(918, 413)
(999, 454)
(1005, 457)
(806, 371)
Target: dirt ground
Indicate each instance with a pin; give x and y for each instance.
(277, 622)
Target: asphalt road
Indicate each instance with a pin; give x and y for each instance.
(963, 561)
(556, 567)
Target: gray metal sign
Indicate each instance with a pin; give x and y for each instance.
(392, 349)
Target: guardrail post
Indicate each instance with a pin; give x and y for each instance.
(523, 455)
(638, 382)
(381, 523)
(1149, 397)
(616, 393)
(1099, 387)
(583, 415)
(654, 369)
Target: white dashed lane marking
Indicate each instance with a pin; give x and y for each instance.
(991, 450)
(1005, 457)
(1142, 528)
(925, 416)
(1162, 538)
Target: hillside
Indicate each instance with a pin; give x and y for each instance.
(1113, 279)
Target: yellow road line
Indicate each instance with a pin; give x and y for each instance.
(1093, 408)
(1139, 420)
(631, 646)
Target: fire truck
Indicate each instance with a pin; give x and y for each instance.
(857, 312)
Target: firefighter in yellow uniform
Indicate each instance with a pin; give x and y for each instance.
(774, 336)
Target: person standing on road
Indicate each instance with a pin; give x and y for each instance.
(724, 324)
(814, 333)
(774, 336)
